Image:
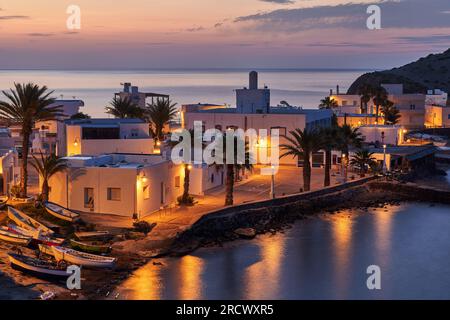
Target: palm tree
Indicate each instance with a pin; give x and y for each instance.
(159, 114)
(231, 165)
(329, 141)
(124, 108)
(391, 114)
(328, 103)
(80, 115)
(302, 144)
(348, 136)
(365, 92)
(379, 98)
(28, 103)
(46, 167)
(185, 198)
(362, 160)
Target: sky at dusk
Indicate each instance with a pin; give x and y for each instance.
(137, 34)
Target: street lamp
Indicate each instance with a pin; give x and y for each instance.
(272, 184)
(384, 159)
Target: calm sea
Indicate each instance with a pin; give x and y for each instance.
(297, 87)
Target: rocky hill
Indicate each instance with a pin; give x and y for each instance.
(431, 72)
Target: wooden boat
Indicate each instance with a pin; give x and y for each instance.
(82, 259)
(61, 212)
(37, 267)
(3, 201)
(92, 235)
(89, 247)
(36, 235)
(45, 249)
(24, 221)
(13, 237)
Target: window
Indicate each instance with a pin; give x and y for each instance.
(412, 107)
(449, 116)
(146, 192)
(114, 194)
(89, 197)
(212, 178)
(282, 130)
(134, 132)
(100, 133)
(177, 182)
(344, 102)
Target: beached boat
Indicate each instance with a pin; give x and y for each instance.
(13, 237)
(89, 247)
(82, 259)
(36, 235)
(3, 201)
(37, 267)
(61, 212)
(24, 221)
(45, 249)
(92, 235)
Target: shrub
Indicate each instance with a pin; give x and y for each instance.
(143, 226)
(189, 201)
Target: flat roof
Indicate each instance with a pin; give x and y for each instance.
(102, 121)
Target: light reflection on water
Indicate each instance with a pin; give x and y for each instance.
(322, 257)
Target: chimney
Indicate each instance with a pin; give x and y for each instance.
(253, 80)
(337, 90)
(134, 89)
(126, 87)
(331, 92)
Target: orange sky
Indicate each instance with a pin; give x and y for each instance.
(194, 33)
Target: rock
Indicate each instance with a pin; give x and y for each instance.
(134, 235)
(246, 233)
(149, 253)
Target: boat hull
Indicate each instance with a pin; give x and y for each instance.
(60, 214)
(89, 248)
(14, 238)
(26, 222)
(19, 264)
(82, 259)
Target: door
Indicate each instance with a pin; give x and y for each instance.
(163, 193)
(89, 198)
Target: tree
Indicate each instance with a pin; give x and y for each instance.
(379, 98)
(328, 103)
(46, 167)
(28, 103)
(124, 108)
(159, 114)
(363, 159)
(302, 144)
(80, 115)
(391, 114)
(234, 164)
(187, 166)
(365, 92)
(329, 141)
(348, 136)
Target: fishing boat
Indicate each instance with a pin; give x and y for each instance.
(45, 249)
(82, 258)
(3, 201)
(37, 267)
(89, 247)
(36, 235)
(13, 237)
(61, 212)
(24, 221)
(92, 235)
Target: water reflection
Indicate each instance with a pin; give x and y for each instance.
(316, 259)
(262, 279)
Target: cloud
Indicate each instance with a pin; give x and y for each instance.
(279, 1)
(443, 39)
(14, 17)
(39, 34)
(195, 29)
(343, 45)
(70, 32)
(394, 14)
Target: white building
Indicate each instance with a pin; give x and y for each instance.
(436, 97)
(137, 97)
(102, 136)
(383, 134)
(9, 162)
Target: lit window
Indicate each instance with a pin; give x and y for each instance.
(146, 191)
(114, 194)
(177, 181)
